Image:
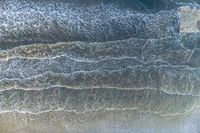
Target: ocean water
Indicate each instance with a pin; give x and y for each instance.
(98, 66)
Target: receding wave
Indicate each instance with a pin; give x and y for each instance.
(98, 66)
(95, 99)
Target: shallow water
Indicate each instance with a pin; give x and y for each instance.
(98, 67)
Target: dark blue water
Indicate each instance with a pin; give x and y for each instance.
(26, 22)
(98, 66)
(50, 21)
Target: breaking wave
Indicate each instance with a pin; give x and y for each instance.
(70, 64)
